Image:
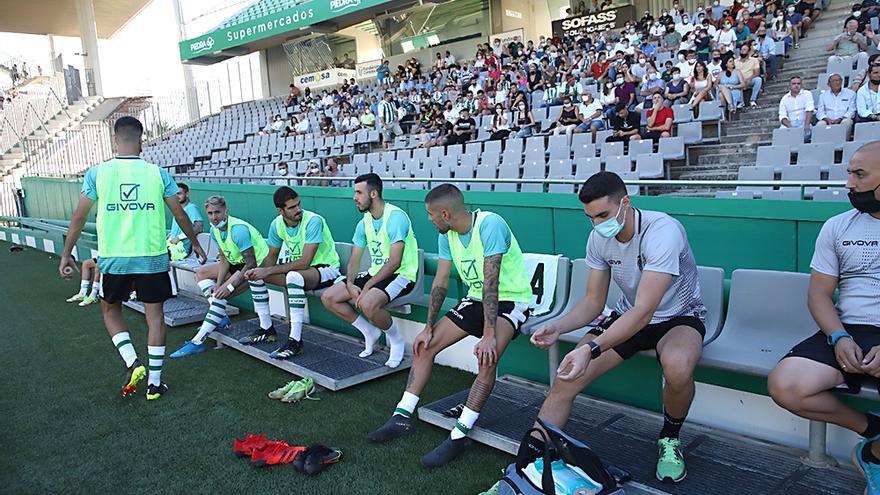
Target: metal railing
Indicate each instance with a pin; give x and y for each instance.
(30, 111)
(430, 182)
(8, 199)
(73, 153)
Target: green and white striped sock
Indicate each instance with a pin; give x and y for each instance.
(296, 303)
(122, 341)
(216, 312)
(465, 423)
(260, 295)
(407, 405)
(157, 356)
(206, 286)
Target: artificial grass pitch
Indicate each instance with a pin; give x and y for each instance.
(65, 429)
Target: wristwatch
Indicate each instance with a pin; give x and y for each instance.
(834, 337)
(595, 349)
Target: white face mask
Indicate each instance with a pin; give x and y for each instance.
(642, 61)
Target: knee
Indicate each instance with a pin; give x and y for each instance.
(371, 309)
(327, 298)
(563, 391)
(784, 388)
(678, 377)
(202, 274)
(295, 278)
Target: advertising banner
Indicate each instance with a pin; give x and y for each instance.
(507, 37)
(367, 70)
(612, 19)
(324, 78)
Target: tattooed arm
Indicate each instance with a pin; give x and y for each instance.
(491, 271)
(438, 291)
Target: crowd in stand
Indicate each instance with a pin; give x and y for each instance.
(602, 80)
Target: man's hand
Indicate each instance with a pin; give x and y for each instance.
(485, 351)
(871, 363)
(66, 267)
(574, 365)
(545, 336)
(423, 340)
(849, 355)
(353, 291)
(200, 254)
(255, 274)
(221, 292)
(173, 240)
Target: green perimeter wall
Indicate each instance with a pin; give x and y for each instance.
(727, 233)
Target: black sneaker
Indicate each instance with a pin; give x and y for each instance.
(261, 335)
(133, 375)
(290, 349)
(155, 391)
(445, 453)
(397, 426)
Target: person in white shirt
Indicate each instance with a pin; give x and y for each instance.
(303, 126)
(837, 106)
(640, 69)
(349, 123)
(327, 100)
(279, 124)
(796, 107)
(726, 38)
(657, 31)
(687, 65)
(450, 60)
(685, 27)
(716, 66)
(868, 97)
(591, 115)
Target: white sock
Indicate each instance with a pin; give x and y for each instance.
(157, 356)
(395, 340)
(407, 405)
(96, 289)
(216, 312)
(83, 288)
(260, 295)
(122, 341)
(465, 423)
(296, 303)
(206, 286)
(371, 334)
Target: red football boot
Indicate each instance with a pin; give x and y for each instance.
(246, 447)
(279, 453)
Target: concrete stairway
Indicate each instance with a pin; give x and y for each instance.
(753, 127)
(68, 118)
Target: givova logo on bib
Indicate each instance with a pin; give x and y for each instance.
(340, 5)
(128, 197)
(470, 275)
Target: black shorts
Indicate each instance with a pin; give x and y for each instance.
(394, 287)
(816, 348)
(468, 315)
(327, 276)
(150, 287)
(652, 135)
(235, 268)
(648, 337)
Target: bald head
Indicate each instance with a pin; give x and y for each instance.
(445, 205)
(864, 169)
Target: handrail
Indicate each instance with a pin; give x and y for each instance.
(639, 182)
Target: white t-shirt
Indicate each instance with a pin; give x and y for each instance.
(848, 247)
(715, 70)
(726, 39)
(587, 111)
(664, 249)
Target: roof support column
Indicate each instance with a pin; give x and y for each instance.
(85, 11)
(192, 100)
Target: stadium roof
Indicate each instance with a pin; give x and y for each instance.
(268, 23)
(59, 17)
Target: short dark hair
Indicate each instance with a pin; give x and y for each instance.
(620, 106)
(600, 185)
(445, 192)
(128, 129)
(282, 195)
(374, 182)
(183, 186)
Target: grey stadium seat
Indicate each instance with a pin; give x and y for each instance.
(791, 136)
(833, 135)
(836, 194)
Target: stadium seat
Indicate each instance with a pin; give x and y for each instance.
(837, 194)
(762, 173)
(560, 169)
(690, 132)
(650, 166)
(609, 149)
(507, 171)
(586, 167)
(672, 148)
(867, 131)
(838, 172)
(774, 156)
(816, 154)
(640, 147)
(533, 170)
(618, 164)
(782, 194)
(682, 113)
(802, 173)
(829, 135)
(484, 172)
(734, 195)
(790, 136)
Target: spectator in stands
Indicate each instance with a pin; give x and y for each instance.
(523, 120)
(568, 120)
(767, 49)
(842, 299)
(500, 124)
(327, 127)
(571, 88)
(463, 130)
(750, 68)
(653, 85)
(671, 40)
(331, 169)
(625, 91)
(624, 124)
(292, 96)
(796, 108)
(347, 61)
(782, 30)
(857, 80)
(742, 31)
(849, 44)
(730, 85)
(701, 84)
(599, 68)
(640, 70)
(591, 115)
(303, 126)
(678, 90)
(349, 123)
(716, 66)
(726, 38)
(868, 97)
(837, 106)
(382, 72)
(282, 174)
(388, 119)
(659, 124)
(858, 16)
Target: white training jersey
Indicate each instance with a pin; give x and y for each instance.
(848, 247)
(664, 248)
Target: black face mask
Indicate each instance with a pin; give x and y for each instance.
(865, 201)
(875, 81)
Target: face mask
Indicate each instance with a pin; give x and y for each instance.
(221, 224)
(619, 81)
(865, 201)
(632, 30)
(686, 20)
(609, 85)
(692, 61)
(522, 108)
(726, 25)
(567, 105)
(875, 81)
(716, 59)
(681, 58)
(857, 13)
(652, 76)
(611, 227)
(676, 77)
(717, 3)
(657, 23)
(791, 10)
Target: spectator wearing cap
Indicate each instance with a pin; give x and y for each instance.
(837, 106)
(796, 108)
(849, 44)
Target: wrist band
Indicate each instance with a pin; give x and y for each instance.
(230, 287)
(181, 237)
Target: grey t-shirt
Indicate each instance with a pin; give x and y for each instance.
(848, 247)
(664, 249)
